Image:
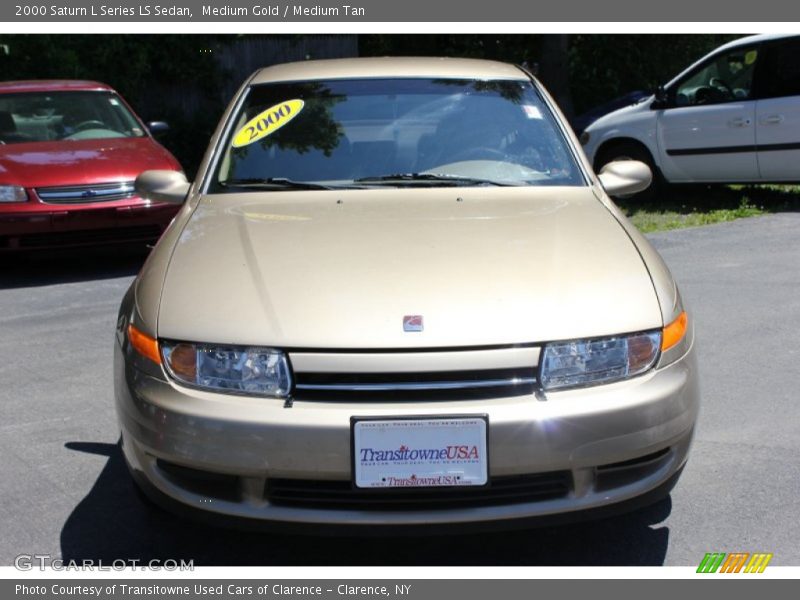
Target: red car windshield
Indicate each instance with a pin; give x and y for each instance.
(53, 116)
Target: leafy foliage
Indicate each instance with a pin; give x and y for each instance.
(604, 67)
(600, 66)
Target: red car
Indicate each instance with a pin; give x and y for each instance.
(69, 154)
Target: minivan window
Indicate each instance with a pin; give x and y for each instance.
(395, 132)
(779, 72)
(728, 77)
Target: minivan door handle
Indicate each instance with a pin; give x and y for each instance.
(772, 120)
(739, 122)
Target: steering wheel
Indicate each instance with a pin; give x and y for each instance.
(720, 84)
(703, 95)
(479, 153)
(92, 124)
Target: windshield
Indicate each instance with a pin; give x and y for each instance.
(52, 116)
(394, 132)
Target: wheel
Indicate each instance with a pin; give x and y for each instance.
(631, 151)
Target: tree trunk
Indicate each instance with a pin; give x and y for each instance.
(554, 70)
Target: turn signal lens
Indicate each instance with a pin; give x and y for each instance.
(674, 332)
(183, 361)
(144, 344)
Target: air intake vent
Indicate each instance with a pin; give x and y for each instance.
(340, 494)
(623, 473)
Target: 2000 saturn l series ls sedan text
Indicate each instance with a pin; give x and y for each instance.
(398, 295)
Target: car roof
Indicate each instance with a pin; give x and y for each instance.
(51, 85)
(346, 68)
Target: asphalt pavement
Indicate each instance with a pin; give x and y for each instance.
(64, 490)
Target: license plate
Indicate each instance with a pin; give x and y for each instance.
(420, 452)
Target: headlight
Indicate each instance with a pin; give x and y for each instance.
(245, 370)
(591, 362)
(12, 193)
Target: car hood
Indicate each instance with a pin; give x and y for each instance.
(483, 266)
(78, 162)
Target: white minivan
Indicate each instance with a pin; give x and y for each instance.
(733, 116)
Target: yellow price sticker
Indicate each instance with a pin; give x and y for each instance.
(267, 122)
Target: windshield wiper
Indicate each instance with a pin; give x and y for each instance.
(444, 178)
(276, 183)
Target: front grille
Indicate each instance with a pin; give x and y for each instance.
(80, 194)
(514, 489)
(429, 385)
(80, 238)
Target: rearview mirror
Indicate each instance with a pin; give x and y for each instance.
(625, 177)
(162, 186)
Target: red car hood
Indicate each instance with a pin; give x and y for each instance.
(43, 164)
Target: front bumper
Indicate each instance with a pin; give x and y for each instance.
(617, 443)
(37, 226)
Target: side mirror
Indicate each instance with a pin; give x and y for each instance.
(625, 177)
(162, 186)
(158, 127)
(661, 98)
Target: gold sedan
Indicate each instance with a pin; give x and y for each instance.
(396, 294)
